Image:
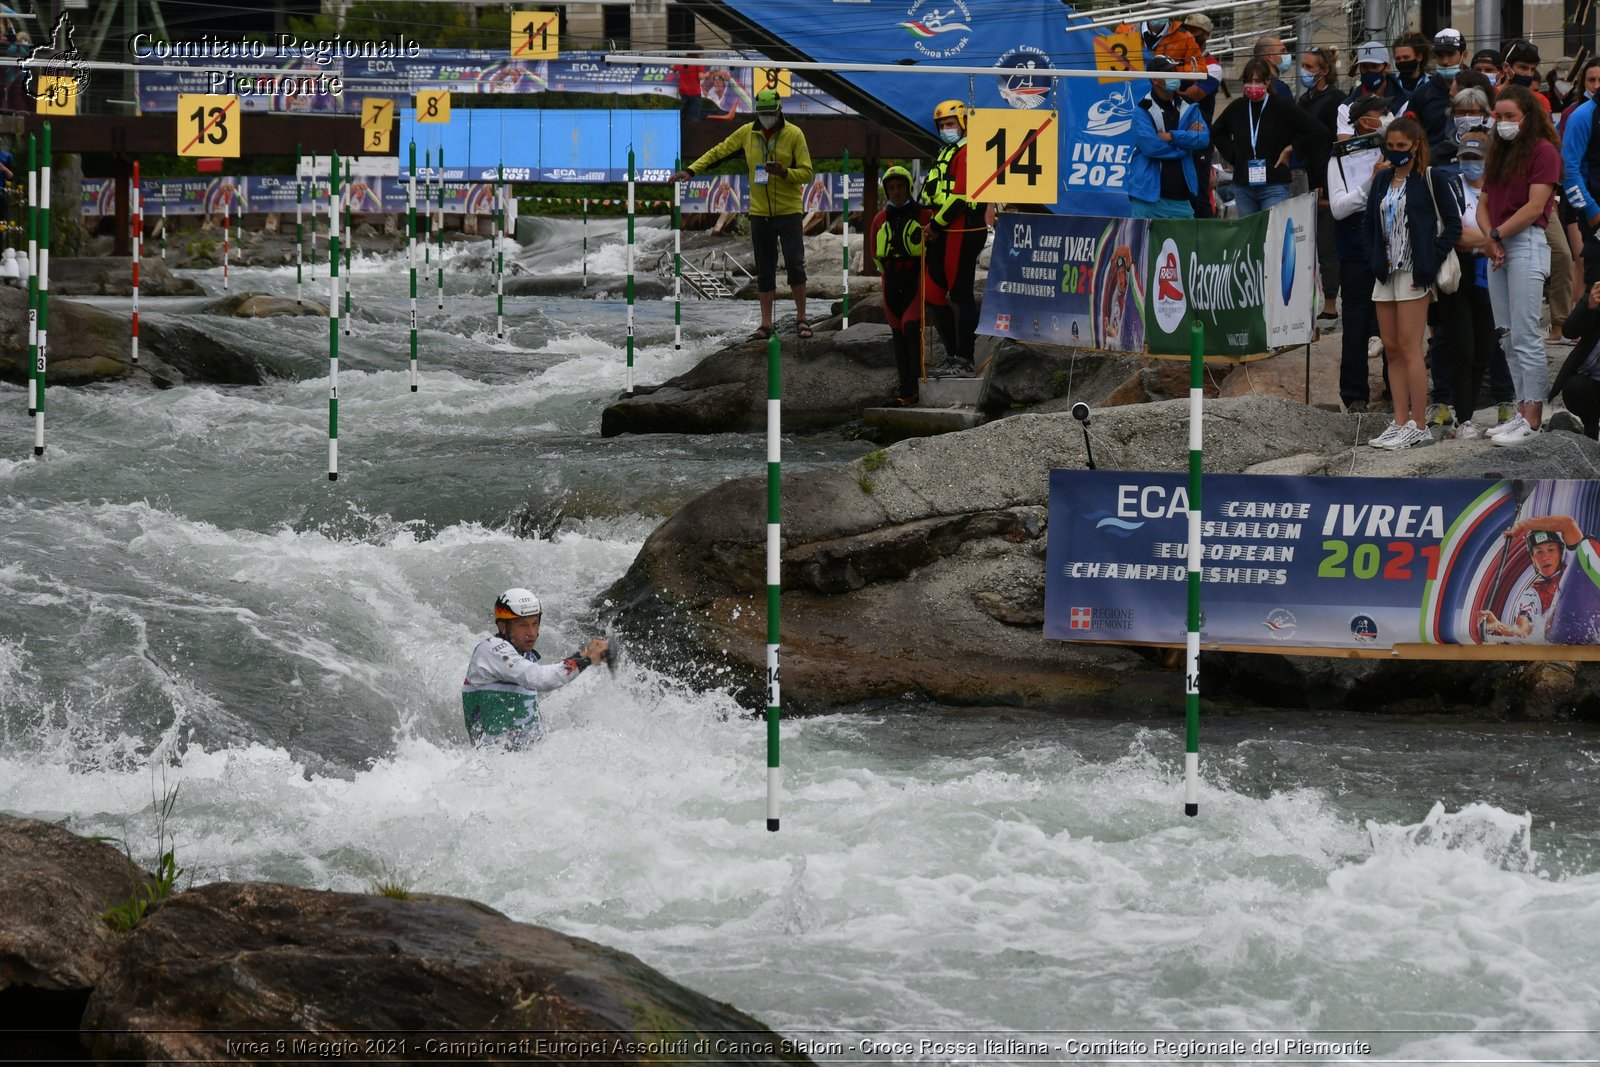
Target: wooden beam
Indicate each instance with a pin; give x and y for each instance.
(266, 134)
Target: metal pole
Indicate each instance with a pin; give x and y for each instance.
(586, 242)
(774, 575)
(1486, 25)
(44, 291)
(1191, 678)
(35, 369)
(500, 252)
(227, 199)
(299, 231)
(630, 271)
(333, 322)
(844, 239)
(163, 231)
(138, 251)
(677, 260)
(411, 258)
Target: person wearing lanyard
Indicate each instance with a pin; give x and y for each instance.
(1255, 136)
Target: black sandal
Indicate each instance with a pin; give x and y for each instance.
(803, 328)
(762, 333)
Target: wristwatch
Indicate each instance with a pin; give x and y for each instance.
(1494, 234)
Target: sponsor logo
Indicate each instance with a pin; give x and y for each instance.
(1288, 259)
(938, 33)
(1364, 628)
(1112, 115)
(1002, 322)
(1171, 302)
(1280, 623)
(1020, 88)
(1100, 619)
(1119, 526)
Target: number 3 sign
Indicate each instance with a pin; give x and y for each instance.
(208, 125)
(1011, 155)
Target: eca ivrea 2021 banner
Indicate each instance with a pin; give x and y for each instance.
(1324, 563)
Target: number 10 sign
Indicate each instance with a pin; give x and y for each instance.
(1011, 155)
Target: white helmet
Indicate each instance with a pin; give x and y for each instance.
(516, 604)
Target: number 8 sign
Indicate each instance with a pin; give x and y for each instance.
(1012, 156)
(208, 125)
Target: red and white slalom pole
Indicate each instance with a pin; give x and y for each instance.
(138, 251)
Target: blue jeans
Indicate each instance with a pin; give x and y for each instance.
(1160, 209)
(1249, 199)
(1516, 291)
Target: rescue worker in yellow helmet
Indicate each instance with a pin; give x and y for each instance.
(780, 168)
(895, 238)
(956, 236)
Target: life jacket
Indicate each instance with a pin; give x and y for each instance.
(900, 236)
(950, 208)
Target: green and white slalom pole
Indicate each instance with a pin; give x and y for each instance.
(44, 292)
(774, 576)
(1191, 675)
(630, 272)
(844, 240)
(35, 378)
(441, 227)
(163, 231)
(333, 322)
(227, 201)
(299, 231)
(500, 252)
(411, 258)
(427, 186)
(138, 253)
(586, 242)
(677, 260)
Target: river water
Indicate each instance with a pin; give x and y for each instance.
(191, 604)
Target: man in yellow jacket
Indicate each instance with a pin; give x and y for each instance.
(780, 169)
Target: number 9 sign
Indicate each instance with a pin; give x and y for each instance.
(1012, 156)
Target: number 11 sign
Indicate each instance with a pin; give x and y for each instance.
(1011, 156)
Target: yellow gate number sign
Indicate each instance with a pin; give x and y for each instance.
(377, 121)
(208, 125)
(57, 95)
(433, 105)
(772, 78)
(535, 34)
(1119, 49)
(1011, 155)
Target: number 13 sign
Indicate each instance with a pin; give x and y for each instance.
(1011, 155)
(208, 125)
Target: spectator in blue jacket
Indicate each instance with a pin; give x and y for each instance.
(1580, 176)
(1167, 132)
(1430, 103)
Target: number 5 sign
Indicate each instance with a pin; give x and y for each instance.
(1011, 155)
(208, 125)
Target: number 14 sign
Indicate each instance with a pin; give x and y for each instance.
(1011, 155)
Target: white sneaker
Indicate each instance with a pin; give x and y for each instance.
(1374, 348)
(1410, 435)
(1383, 439)
(1467, 432)
(1516, 423)
(1517, 436)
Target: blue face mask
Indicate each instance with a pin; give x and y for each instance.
(1307, 78)
(1396, 158)
(1472, 169)
(1523, 80)
(950, 135)
(1373, 80)
(1448, 72)
(1172, 85)
(1283, 64)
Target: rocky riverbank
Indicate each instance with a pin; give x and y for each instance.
(918, 571)
(266, 973)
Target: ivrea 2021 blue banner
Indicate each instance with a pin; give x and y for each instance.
(1324, 563)
(1013, 37)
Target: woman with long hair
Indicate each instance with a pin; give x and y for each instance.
(1319, 76)
(1521, 173)
(1412, 225)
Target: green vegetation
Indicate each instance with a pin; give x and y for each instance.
(147, 891)
(391, 882)
(1058, 383)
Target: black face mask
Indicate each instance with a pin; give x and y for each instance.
(1523, 80)
(1408, 69)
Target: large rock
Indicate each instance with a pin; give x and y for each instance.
(228, 962)
(261, 306)
(606, 286)
(88, 345)
(920, 569)
(113, 276)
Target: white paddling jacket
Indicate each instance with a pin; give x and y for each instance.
(500, 696)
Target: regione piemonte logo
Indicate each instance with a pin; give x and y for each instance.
(58, 58)
(1170, 301)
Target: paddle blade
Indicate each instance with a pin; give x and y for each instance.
(613, 648)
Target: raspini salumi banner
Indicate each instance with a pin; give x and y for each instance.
(1212, 270)
(1324, 563)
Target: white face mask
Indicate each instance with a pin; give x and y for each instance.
(768, 120)
(1508, 130)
